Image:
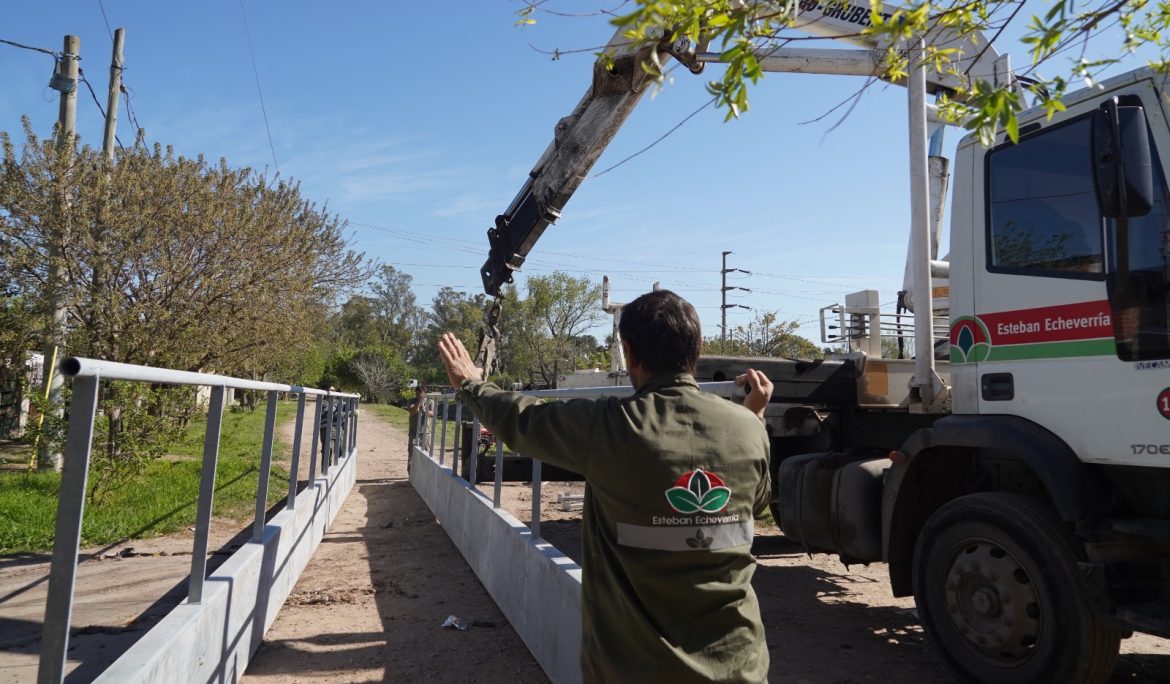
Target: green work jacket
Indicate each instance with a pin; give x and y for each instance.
(673, 477)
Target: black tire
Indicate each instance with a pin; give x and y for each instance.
(998, 590)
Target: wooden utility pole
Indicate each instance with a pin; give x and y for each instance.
(111, 134)
(97, 297)
(65, 79)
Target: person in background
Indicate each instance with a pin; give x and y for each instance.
(674, 477)
(419, 404)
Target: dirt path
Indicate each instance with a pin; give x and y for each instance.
(370, 604)
(122, 591)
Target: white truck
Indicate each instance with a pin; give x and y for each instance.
(1018, 488)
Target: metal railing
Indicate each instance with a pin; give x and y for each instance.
(844, 324)
(429, 431)
(337, 437)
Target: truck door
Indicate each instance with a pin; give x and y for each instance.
(1048, 342)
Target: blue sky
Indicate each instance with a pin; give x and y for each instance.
(419, 125)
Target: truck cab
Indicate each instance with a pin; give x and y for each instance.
(1044, 325)
(1012, 466)
(1030, 517)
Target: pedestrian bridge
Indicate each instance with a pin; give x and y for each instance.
(211, 635)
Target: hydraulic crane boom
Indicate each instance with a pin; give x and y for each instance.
(618, 83)
(578, 140)
(581, 137)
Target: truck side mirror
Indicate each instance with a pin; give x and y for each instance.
(1122, 174)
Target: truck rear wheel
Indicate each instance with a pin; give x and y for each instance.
(998, 590)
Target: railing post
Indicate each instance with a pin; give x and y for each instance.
(327, 443)
(535, 526)
(338, 431)
(206, 492)
(342, 430)
(443, 437)
(67, 533)
(265, 468)
(434, 426)
(470, 476)
(349, 409)
(457, 448)
(422, 425)
(316, 439)
(295, 466)
(353, 424)
(499, 472)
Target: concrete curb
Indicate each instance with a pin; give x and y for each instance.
(212, 641)
(536, 586)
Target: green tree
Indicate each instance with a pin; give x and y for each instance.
(170, 261)
(543, 334)
(381, 372)
(400, 319)
(166, 261)
(451, 311)
(764, 335)
(356, 323)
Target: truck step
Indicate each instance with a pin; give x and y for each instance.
(1151, 618)
(1142, 527)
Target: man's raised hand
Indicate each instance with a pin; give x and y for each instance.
(458, 362)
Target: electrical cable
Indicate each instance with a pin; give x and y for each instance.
(130, 108)
(457, 244)
(52, 53)
(256, 73)
(89, 87)
(106, 19)
(417, 236)
(677, 126)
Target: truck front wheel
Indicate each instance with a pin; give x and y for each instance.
(997, 588)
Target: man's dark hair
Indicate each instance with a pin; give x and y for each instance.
(663, 331)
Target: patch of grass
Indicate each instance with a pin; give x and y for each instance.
(161, 501)
(398, 417)
(241, 433)
(28, 507)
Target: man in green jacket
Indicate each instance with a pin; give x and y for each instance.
(673, 479)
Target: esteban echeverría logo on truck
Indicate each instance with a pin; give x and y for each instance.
(698, 490)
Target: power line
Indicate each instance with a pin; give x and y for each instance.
(463, 246)
(664, 136)
(106, 19)
(96, 102)
(423, 238)
(129, 107)
(256, 73)
(51, 53)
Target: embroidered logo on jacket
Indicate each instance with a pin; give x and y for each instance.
(698, 491)
(699, 520)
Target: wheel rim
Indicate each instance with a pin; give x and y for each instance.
(993, 602)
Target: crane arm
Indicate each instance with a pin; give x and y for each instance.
(578, 140)
(616, 87)
(619, 81)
